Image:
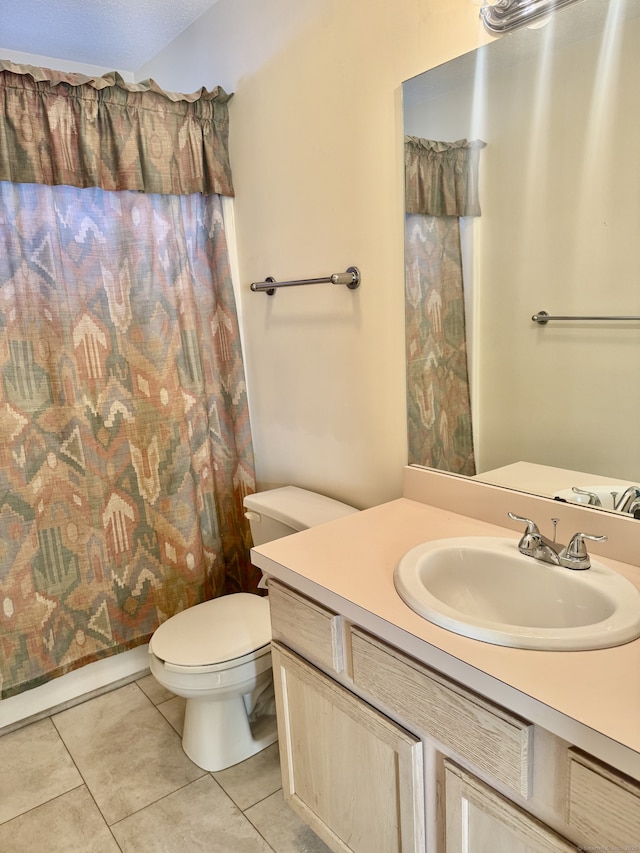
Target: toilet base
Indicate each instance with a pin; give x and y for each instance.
(217, 732)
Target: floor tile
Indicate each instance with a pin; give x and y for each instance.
(36, 767)
(68, 823)
(173, 711)
(198, 817)
(252, 780)
(154, 691)
(128, 754)
(282, 828)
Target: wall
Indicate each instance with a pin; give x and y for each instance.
(316, 151)
(59, 64)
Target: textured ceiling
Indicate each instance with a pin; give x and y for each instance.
(117, 34)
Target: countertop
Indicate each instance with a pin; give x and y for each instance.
(545, 479)
(590, 698)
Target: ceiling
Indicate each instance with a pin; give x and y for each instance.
(118, 35)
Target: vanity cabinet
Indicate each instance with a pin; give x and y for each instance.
(381, 754)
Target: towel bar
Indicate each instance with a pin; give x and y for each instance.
(350, 278)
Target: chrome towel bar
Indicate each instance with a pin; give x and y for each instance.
(543, 317)
(350, 278)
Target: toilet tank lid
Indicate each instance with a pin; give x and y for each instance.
(298, 508)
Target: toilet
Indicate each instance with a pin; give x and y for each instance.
(217, 654)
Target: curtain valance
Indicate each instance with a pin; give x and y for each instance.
(441, 178)
(80, 131)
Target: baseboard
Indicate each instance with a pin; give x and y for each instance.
(71, 689)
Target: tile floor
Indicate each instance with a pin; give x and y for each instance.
(110, 775)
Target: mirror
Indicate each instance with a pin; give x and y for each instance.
(553, 405)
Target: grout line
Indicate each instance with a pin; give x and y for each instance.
(84, 781)
(159, 800)
(257, 830)
(261, 800)
(44, 803)
(161, 701)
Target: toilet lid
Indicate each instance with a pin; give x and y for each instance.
(215, 631)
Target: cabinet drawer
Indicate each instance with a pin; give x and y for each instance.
(492, 739)
(306, 627)
(603, 807)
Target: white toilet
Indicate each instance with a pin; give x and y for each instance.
(218, 654)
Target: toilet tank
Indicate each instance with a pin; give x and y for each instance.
(280, 512)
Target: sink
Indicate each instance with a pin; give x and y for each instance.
(484, 588)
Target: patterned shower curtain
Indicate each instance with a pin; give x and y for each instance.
(125, 447)
(440, 186)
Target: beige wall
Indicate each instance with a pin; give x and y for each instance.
(316, 148)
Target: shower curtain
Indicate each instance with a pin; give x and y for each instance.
(125, 447)
(440, 186)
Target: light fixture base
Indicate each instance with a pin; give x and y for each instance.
(504, 16)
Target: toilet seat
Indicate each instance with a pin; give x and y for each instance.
(227, 631)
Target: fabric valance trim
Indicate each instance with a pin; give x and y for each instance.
(441, 178)
(76, 130)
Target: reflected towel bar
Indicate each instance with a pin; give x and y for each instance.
(543, 317)
(351, 278)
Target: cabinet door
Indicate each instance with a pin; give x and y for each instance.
(480, 820)
(352, 774)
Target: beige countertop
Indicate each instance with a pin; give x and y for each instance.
(545, 479)
(591, 698)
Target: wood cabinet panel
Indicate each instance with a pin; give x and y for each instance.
(352, 774)
(603, 807)
(307, 627)
(495, 741)
(479, 820)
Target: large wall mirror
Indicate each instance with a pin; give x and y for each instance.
(553, 406)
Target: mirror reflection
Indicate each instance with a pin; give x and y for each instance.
(553, 115)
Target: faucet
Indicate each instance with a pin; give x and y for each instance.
(628, 501)
(572, 556)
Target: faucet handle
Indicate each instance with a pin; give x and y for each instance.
(594, 500)
(531, 537)
(575, 555)
(532, 527)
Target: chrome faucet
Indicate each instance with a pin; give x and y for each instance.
(572, 556)
(628, 501)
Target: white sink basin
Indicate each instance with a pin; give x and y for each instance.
(484, 588)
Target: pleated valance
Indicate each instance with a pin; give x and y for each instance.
(72, 129)
(441, 178)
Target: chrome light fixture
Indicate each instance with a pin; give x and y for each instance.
(503, 16)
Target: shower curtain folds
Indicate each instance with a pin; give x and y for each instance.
(125, 448)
